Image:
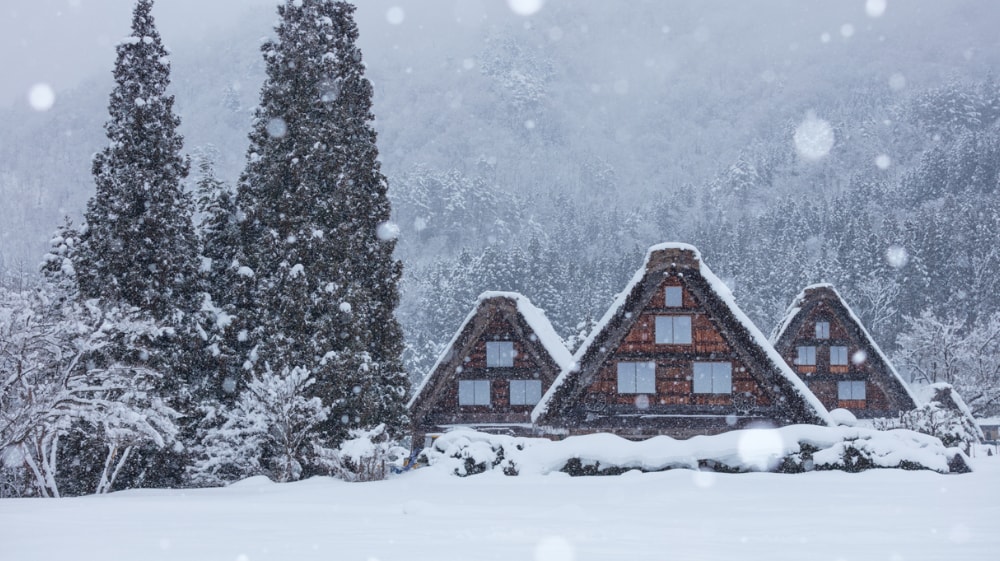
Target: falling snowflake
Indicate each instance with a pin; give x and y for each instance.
(276, 127)
(859, 358)
(813, 138)
(395, 15)
(554, 548)
(883, 161)
(41, 97)
(875, 8)
(525, 7)
(897, 81)
(760, 449)
(387, 231)
(896, 256)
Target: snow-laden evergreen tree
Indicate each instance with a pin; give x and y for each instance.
(316, 234)
(139, 245)
(270, 429)
(138, 250)
(218, 231)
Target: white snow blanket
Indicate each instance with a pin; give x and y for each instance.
(791, 449)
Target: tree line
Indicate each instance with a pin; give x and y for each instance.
(182, 338)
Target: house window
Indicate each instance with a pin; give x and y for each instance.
(525, 392)
(673, 330)
(838, 356)
(713, 377)
(499, 354)
(674, 297)
(851, 390)
(636, 377)
(822, 330)
(807, 356)
(473, 392)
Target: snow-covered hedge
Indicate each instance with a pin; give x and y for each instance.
(791, 449)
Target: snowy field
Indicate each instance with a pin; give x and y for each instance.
(875, 515)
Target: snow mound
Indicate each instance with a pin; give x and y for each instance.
(843, 417)
(791, 449)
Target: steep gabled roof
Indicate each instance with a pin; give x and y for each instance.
(749, 342)
(812, 296)
(543, 339)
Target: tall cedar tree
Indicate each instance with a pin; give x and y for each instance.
(140, 247)
(315, 231)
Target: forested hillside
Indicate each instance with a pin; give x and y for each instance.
(544, 154)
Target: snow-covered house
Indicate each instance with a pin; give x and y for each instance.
(675, 356)
(491, 375)
(828, 347)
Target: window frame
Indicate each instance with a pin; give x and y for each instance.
(649, 367)
(852, 387)
(714, 377)
(477, 389)
(523, 392)
(798, 357)
(824, 332)
(495, 359)
(845, 355)
(673, 297)
(673, 321)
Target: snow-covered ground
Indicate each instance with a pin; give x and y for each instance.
(874, 515)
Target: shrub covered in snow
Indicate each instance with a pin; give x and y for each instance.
(791, 449)
(367, 455)
(951, 426)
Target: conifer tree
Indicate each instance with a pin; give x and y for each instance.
(316, 236)
(139, 247)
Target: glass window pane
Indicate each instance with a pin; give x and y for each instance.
(664, 330)
(843, 390)
(858, 390)
(702, 377)
(722, 377)
(674, 297)
(466, 392)
(645, 377)
(626, 377)
(492, 354)
(682, 330)
(807, 356)
(822, 330)
(517, 392)
(838, 356)
(532, 392)
(507, 354)
(499, 354)
(482, 392)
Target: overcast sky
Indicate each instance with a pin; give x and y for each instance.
(60, 42)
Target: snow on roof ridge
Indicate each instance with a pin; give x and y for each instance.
(672, 245)
(724, 293)
(535, 318)
(796, 307)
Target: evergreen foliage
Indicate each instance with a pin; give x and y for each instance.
(316, 238)
(139, 246)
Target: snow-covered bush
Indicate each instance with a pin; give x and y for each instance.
(366, 455)
(52, 386)
(952, 427)
(270, 430)
(792, 449)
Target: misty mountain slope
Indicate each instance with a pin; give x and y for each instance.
(656, 95)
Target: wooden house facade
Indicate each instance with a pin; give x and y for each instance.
(826, 344)
(494, 371)
(675, 356)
